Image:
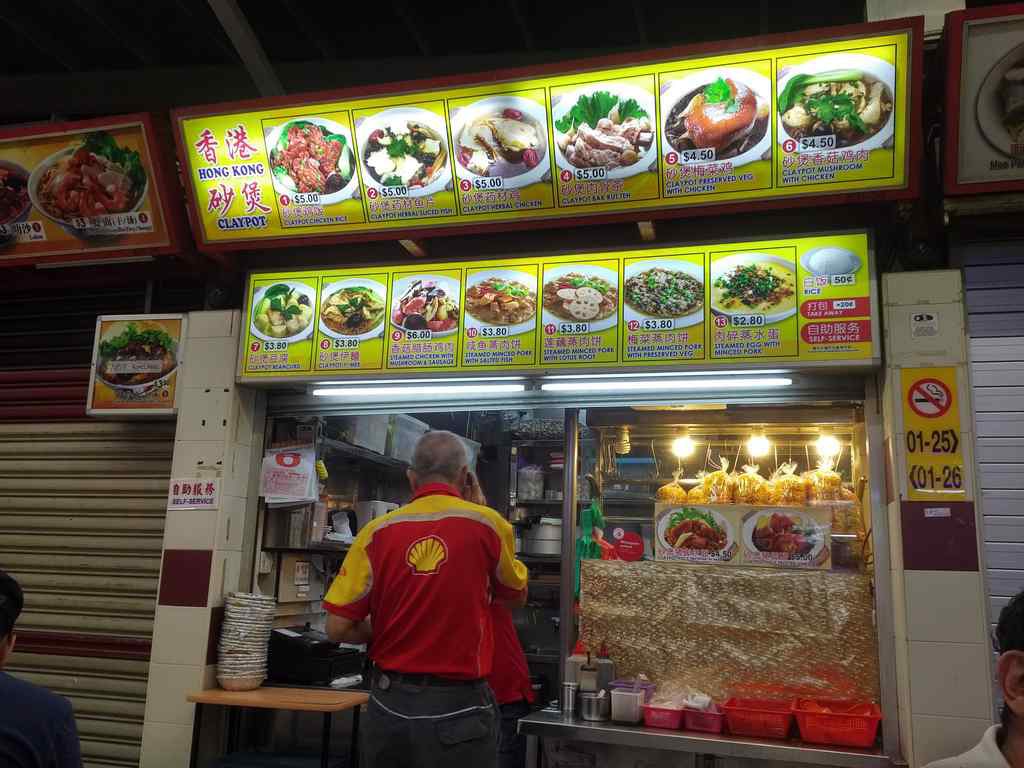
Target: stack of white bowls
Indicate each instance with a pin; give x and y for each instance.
(244, 638)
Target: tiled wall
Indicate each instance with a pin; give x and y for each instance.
(220, 429)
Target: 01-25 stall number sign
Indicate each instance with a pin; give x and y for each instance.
(931, 424)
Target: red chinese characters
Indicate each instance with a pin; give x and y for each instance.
(842, 332)
(207, 145)
(220, 200)
(819, 309)
(237, 141)
(253, 195)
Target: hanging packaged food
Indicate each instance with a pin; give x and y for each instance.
(748, 484)
(720, 486)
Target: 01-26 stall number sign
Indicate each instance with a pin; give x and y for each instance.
(931, 424)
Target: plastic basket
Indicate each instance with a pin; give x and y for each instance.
(708, 721)
(760, 718)
(849, 724)
(662, 717)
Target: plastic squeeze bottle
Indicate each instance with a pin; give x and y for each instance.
(576, 660)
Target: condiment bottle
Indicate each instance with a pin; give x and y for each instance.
(572, 664)
(588, 677)
(605, 669)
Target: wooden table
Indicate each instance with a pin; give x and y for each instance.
(327, 701)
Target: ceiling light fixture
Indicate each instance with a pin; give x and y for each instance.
(683, 447)
(665, 385)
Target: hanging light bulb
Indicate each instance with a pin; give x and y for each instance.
(622, 444)
(683, 447)
(758, 446)
(827, 446)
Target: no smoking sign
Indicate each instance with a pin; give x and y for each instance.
(929, 398)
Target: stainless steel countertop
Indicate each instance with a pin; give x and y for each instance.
(549, 724)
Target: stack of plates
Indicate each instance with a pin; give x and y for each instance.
(242, 657)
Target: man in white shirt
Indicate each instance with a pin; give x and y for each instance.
(1002, 746)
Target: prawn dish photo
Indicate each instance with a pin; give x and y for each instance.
(426, 304)
(726, 115)
(135, 354)
(497, 301)
(311, 156)
(576, 297)
(97, 178)
(353, 310)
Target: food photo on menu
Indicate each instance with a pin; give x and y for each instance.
(608, 125)
(502, 137)
(502, 297)
(353, 308)
(726, 110)
(664, 289)
(405, 148)
(843, 95)
(1000, 103)
(313, 155)
(581, 294)
(135, 355)
(754, 283)
(426, 303)
(283, 311)
(94, 177)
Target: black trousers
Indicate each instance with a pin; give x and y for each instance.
(511, 745)
(429, 725)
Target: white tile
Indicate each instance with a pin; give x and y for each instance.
(203, 413)
(180, 635)
(945, 606)
(168, 686)
(190, 529)
(207, 325)
(950, 679)
(231, 522)
(210, 362)
(165, 745)
(237, 470)
(195, 458)
(939, 737)
(224, 576)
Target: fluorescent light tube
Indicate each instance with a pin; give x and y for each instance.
(661, 374)
(666, 385)
(434, 391)
(394, 382)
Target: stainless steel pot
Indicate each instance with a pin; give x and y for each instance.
(595, 706)
(544, 537)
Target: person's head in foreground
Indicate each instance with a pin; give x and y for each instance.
(439, 457)
(1009, 643)
(11, 602)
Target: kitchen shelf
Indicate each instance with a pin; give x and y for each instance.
(307, 550)
(539, 558)
(354, 452)
(542, 658)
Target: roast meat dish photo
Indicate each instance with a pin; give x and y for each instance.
(603, 131)
(724, 115)
(136, 355)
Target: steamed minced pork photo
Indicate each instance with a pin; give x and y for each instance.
(576, 296)
(661, 292)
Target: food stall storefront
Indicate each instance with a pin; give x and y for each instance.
(688, 436)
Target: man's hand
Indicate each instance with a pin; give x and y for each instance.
(342, 630)
(472, 492)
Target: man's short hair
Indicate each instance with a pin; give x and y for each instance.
(1009, 635)
(12, 600)
(439, 454)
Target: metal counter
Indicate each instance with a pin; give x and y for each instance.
(548, 724)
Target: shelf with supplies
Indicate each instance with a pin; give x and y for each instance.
(345, 450)
(311, 550)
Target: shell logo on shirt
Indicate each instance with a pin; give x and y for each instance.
(426, 555)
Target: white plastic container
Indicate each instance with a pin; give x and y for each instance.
(531, 483)
(405, 432)
(626, 706)
(370, 432)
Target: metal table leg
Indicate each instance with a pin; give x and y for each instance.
(234, 725)
(353, 757)
(325, 742)
(197, 724)
(532, 752)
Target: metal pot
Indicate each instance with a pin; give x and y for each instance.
(544, 537)
(595, 706)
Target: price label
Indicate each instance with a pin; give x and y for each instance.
(275, 346)
(747, 321)
(697, 155)
(345, 343)
(658, 325)
(844, 304)
(816, 143)
(574, 328)
(493, 331)
(590, 174)
(934, 480)
(424, 335)
(306, 198)
(843, 279)
(394, 191)
(488, 183)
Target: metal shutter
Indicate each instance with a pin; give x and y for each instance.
(82, 507)
(994, 284)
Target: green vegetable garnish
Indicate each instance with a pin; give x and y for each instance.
(749, 284)
(689, 513)
(399, 148)
(838, 107)
(393, 181)
(630, 108)
(791, 93)
(132, 335)
(587, 109)
(102, 144)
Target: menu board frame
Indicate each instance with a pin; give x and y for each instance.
(957, 29)
(394, 95)
(679, 343)
(162, 194)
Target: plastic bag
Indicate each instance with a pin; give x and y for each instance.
(720, 486)
(787, 489)
(824, 483)
(748, 483)
(672, 492)
(697, 495)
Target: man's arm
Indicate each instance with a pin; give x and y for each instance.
(342, 630)
(66, 745)
(515, 602)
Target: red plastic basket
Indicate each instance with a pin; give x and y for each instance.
(709, 721)
(760, 718)
(662, 717)
(848, 724)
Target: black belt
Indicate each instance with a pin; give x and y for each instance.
(384, 679)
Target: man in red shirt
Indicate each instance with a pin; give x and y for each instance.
(427, 573)
(510, 681)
